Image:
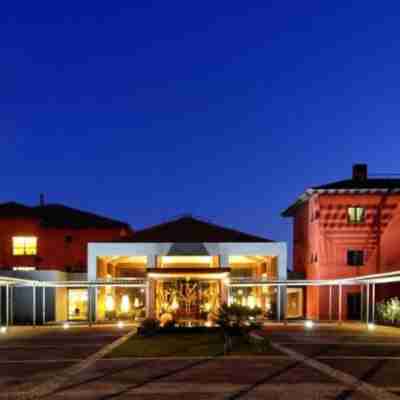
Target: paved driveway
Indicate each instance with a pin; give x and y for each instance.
(374, 357)
(30, 355)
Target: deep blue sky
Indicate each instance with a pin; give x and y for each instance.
(226, 110)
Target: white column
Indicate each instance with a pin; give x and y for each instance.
(282, 275)
(373, 303)
(362, 302)
(223, 260)
(7, 305)
(43, 305)
(11, 302)
(367, 305)
(278, 303)
(340, 303)
(33, 305)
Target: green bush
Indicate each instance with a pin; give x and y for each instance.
(388, 311)
(149, 327)
(235, 320)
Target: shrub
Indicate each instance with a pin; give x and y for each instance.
(149, 327)
(235, 321)
(388, 311)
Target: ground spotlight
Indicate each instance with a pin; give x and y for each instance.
(3, 329)
(65, 325)
(371, 326)
(309, 324)
(120, 324)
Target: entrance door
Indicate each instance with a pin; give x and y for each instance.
(77, 304)
(354, 306)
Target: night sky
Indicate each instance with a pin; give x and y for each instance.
(226, 110)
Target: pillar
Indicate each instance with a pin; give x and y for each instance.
(340, 304)
(373, 303)
(7, 305)
(282, 276)
(33, 305)
(330, 302)
(278, 303)
(367, 304)
(44, 305)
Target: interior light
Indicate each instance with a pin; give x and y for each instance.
(309, 324)
(251, 301)
(110, 303)
(126, 304)
(136, 302)
(175, 304)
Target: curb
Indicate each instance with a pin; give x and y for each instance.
(60, 379)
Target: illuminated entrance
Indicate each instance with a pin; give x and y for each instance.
(78, 304)
(190, 299)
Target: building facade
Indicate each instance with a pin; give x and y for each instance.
(86, 267)
(346, 229)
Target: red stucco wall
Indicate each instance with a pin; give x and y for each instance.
(322, 237)
(53, 250)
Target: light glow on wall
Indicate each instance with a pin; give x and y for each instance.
(110, 303)
(125, 304)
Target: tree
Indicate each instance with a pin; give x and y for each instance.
(234, 320)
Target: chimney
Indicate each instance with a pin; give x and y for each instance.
(360, 172)
(41, 200)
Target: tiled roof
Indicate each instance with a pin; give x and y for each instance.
(192, 230)
(353, 185)
(59, 216)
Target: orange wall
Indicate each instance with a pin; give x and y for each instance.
(53, 250)
(321, 230)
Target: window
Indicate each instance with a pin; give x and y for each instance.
(355, 215)
(355, 257)
(24, 245)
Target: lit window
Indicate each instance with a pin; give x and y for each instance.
(355, 257)
(24, 245)
(355, 215)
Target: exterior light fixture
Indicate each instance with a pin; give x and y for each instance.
(110, 303)
(371, 326)
(208, 324)
(251, 302)
(125, 304)
(65, 325)
(3, 329)
(120, 324)
(175, 304)
(136, 303)
(207, 307)
(309, 324)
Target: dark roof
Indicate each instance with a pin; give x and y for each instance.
(59, 216)
(13, 209)
(386, 184)
(375, 183)
(192, 230)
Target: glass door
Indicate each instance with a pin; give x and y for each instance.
(77, 304)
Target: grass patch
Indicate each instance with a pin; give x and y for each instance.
(186, 344)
